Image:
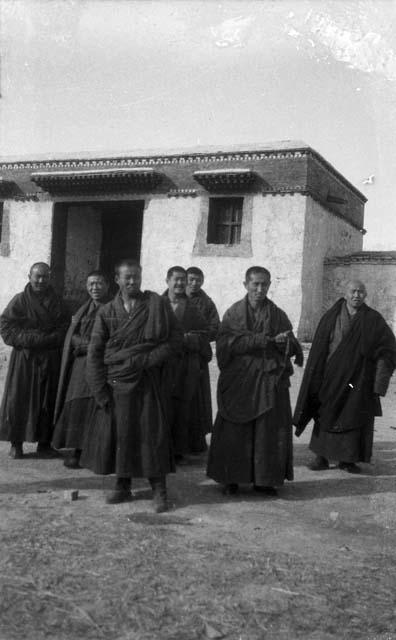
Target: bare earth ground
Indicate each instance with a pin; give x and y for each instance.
(317, 563)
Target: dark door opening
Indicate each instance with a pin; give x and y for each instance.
(92, 235)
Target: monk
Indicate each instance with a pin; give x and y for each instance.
(186, 374)
(205, 304)
(75, 404)
(252, 434)
(34, 323)
(351, 361)
(132, 337)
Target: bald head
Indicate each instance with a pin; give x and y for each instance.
(39, 265)
(355, 294)
(39, 277)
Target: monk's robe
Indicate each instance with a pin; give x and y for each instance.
(252, 434)
(75, 404)
(186, 378)
(129, 434)
(349, 366)
(35, 326)
(207, 309)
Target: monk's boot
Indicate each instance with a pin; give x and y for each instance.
(121, 493)
(44, 450)
(267, 491)
(230, 489)
(160, 501)
(16, 451)
(319, 464)
(73, 461)
(350, 467)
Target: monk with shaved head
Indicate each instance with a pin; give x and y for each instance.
(351, 361)
(34, 323)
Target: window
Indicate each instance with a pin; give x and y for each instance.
(225, 221)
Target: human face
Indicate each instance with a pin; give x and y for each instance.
(129, 280)
(194, 282)
(39, 278)
(177, 283)
(257, 287)
(97, 287)
(355, 294)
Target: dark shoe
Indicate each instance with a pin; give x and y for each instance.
(44, 450)
(319, 464)
(73, 461)
(121, 493)
(16, 451)
(350, 467)
(160, 501)
(268, 491)
(181, 460)
(230, 489)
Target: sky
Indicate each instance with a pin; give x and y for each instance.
(108, 76)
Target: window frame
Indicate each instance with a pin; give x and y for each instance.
(218, 225)
(241, 249)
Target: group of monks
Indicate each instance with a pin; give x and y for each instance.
(123, 386)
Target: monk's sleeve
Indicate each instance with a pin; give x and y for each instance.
(237, 342)
(383, 374)
(171, 346)
(385, 358)
(213, 321)
(96, 369)
(247, 343)
(16, 333)
(62, 324)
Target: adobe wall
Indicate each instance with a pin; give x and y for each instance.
(325, 235)
(171, 230)
(30, 231)
(378, 277)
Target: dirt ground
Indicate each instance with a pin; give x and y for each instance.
(319, 562)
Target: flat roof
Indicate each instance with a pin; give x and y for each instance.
(278, 145)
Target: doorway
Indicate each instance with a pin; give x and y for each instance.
(92, 235)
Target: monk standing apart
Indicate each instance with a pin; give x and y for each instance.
(34, 323)
(75, 404)
(186, 374)
(252, 434)
(352, 358)
(132, 337)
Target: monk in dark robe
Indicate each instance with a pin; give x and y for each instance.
(75, 404)
(132, 337)
(186, 374)
(34, 323)
(351, 361)
(205, 304)
(252, 434)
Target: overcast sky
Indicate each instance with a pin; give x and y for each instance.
(118, 75)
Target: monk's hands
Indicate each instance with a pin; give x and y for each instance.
(104, 398)
(139, 361)
(281, 338)
(192, 342)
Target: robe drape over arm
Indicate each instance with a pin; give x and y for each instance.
(208, 310)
